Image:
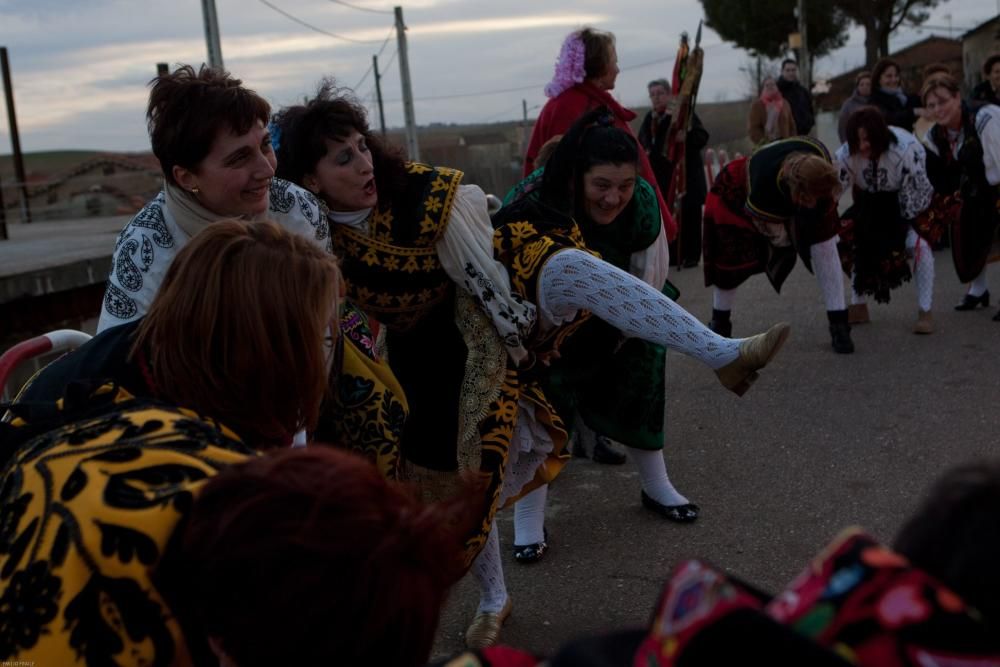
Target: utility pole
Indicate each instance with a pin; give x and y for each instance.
(3, 217)
(805, 64)
(15, 138)
(212, 33)
(378, 94)
(412, 147)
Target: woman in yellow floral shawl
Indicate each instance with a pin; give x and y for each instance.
(242, 333)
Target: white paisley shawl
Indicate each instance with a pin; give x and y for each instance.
(902, 168)
(150, 241)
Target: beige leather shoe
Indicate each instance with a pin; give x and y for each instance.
(755, 353)
(924, 323)
(484, 631)
(857, 313)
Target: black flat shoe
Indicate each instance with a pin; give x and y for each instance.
(970, 302)
(677, 513)
(532, 553)
(607, 452)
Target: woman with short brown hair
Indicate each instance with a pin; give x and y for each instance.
(231, 360)
(241, 330)
(899, 108)
(963, 159)
(210, 134)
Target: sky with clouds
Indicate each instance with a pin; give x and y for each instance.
(80, 69)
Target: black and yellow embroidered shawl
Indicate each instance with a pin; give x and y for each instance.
(87, 511)
(394, 273)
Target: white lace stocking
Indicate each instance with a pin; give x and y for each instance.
(574, 280)
(923, 269)
(829, 273)
(488, 570)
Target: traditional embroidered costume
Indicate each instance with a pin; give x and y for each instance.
(369, 408)
(889, 192)
(150, 241)
(616, 384)
(423, 266)
(88, 511)
(752, 226)
(857, 603)
(562, 110)
(964, 166)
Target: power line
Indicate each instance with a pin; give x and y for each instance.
(392, 59)
(497, 115)
(386, 42)
(360, 8)
(371, 67)
(319, 30)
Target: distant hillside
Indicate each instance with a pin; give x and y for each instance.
(44, 163)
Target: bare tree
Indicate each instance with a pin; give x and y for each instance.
(880, 18)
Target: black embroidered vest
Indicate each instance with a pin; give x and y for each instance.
(767, 198)
(394, 273)
(970, 175)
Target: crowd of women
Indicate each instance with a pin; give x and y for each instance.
(321, 370)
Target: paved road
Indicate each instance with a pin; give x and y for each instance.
(821, 441)
(48, 245)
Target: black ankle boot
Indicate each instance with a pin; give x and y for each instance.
(840, 332)
(970, 302)
(721, 324)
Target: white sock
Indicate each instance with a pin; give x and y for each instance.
(829, 273)
(923, 269)
(978, 286)
(529, 517)
(856, 299)
(653, 475)
(488, 570)
(723, 299)
(573, 280)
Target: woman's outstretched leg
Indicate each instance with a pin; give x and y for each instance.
(573, 280)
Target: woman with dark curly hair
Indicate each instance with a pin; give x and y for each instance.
(468, 334)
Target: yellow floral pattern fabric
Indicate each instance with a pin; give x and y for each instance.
(523, 246)
(393, 273)
(87, 510)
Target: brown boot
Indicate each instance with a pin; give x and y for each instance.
(924, 323)
(755, 353)
(485, 628)
(857, 313)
